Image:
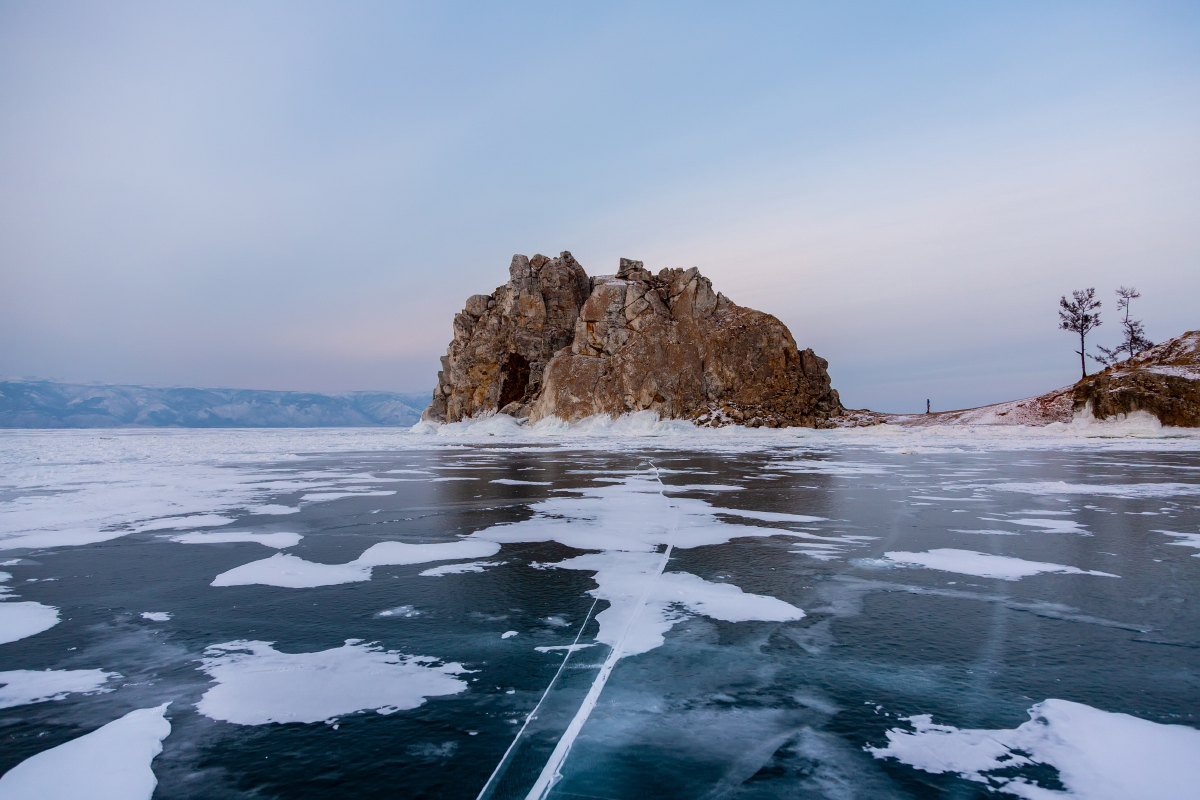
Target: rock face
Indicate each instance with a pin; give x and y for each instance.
(1164, 380)
(553, 342)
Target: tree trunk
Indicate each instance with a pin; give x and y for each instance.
(1082, 358)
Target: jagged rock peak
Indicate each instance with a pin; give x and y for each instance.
(554, 342)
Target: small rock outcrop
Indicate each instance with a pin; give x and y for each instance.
(553, 342)
(1164, 380)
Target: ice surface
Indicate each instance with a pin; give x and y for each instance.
(514, 482)
(1099, 755)
(22, 686)
(257, 685)
(324, 497)
(272, 509)
(984, 565)
(276, 540)
(455, 569)
(112, 763)
(21, 620)
(292, 572)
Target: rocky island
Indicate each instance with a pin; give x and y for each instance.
(555, 342)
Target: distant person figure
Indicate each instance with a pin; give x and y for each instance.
(926, 406)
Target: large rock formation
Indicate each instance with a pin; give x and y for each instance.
(1164, 380)
(554, 342)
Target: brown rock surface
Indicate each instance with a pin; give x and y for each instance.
(1164, 380)
(610, 345)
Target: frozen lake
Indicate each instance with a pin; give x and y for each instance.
(799, 614)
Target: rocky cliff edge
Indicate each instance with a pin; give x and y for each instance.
(554, 342)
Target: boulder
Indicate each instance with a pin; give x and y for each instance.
(554, 343)
(1164, 380)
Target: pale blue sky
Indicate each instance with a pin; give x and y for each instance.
(300, 196)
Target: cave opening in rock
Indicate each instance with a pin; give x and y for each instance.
(515, 378)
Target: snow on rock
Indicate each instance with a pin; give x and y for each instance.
(984, 565)
(279, 541)
(23, 686)
(1099, 755)
(258, 685)
(112, 763)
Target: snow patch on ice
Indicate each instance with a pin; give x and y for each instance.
(983, 565)
(112, 763)
(258, 685)
(514, 482)
(1185, 540)
(1099, 755)
(292, 572)
(272, 509)
(20, 687)
(22, 620)
(455, 569)
(156, 616)
(1127, 490)
(279, 541)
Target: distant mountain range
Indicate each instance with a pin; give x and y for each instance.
(45, 404)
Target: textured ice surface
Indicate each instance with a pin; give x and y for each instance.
(112, 763)
(22, 686)
(276, 540)
(293, 572)
(1099, 755)
(985, 565)
(256, 684)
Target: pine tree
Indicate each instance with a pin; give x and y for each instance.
(1080, 316)
(1135, 340)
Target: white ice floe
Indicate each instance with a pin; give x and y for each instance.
(1127, 490)
(643, 607)
(111, 763)
(292, 572)
(508, 634)
(257, 685)
(514, 482)
(23, 686)
(984, 565)
(324, 497)
(156, 616)
(1051, 525)
(1185, 540)
(279, 540)
(456, 569)
(21, 620)
(1099, 755)
(272, 509)
(182, 523)
(570, 648)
